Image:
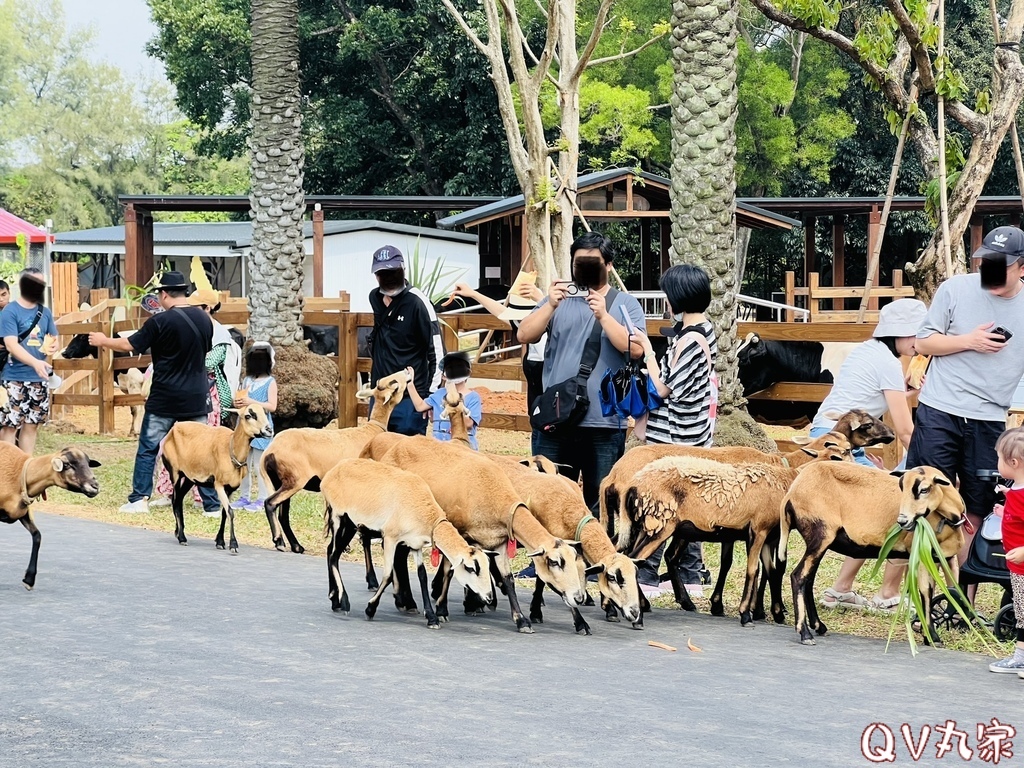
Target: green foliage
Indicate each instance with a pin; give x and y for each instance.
(877, 37)
(819, 13)
(435, 283)
(931, 188)
(11, 265)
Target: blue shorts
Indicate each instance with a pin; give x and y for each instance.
(859, 455)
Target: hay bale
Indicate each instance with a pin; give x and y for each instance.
(734, 426)
(307, 388)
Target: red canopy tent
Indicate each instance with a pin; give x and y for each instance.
(11, 226)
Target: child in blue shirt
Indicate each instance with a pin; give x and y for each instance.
(258, 386)
(455, 369)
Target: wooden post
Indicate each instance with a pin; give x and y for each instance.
(791, 296)
(318, 253)
(648, 273)
(874, 222)
(348, 378)
(839, 257)
(98, 295)
(131, 245)
(105, 379)
(665, 241)
(812, 293)
(810, 260)
(977, 232)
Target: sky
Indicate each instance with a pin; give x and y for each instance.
(121, 30)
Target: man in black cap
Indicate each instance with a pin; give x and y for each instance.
(974, 333)
(178, 339)
(406, 334)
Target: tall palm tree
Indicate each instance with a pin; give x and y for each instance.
(276, 197)
(704, 183)
(277, 201)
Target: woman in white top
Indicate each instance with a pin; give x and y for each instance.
(872, 379)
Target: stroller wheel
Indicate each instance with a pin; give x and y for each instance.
(945, 615)
(1005, 627)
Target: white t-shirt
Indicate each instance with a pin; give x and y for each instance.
(869, 371)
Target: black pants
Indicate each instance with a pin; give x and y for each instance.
(958, 448)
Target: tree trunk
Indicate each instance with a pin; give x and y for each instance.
(276, 199)
(305, 381)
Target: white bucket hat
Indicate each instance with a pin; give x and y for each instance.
(900, 318)
(519, 306)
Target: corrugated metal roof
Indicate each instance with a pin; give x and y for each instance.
(238, 234)
(757, 217)
(11, 226)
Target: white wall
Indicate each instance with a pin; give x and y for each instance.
(348, 257)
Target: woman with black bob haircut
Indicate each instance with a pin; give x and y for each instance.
(686, 380)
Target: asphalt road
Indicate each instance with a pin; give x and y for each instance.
(135, 651)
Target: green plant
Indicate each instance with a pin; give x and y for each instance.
(925, 552)
(436, 283)
(11, 266)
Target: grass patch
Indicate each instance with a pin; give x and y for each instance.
(118, 455)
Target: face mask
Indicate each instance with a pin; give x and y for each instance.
(993, 273)
(678, 318)
(589, 271)
(391, 281)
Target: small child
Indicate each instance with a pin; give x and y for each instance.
(1010, 448)
(455, 369)
(258, 386)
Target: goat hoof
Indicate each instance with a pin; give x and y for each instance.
(589, 600)
(613, 618)
(369, 614)
(760, 616)
(526, 630)
(220, 545)
(808, 641)
(717, 609)
(183, 543)
(821, 629)
(537, 618)
(279, 546)
(28, 586)
(443, 618)
(234, 550)
(298, 549)
(584, 630)
(638, 625)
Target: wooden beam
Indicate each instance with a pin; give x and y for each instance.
(810, 257)
(318, 253)
(131, 244)
(800, 392)
(648, 268)
(665, 227)
(629, 193)
(838, 257)
(348, 383)
(977, 235)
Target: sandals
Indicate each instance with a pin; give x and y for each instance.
(848, 600)
(884, 606)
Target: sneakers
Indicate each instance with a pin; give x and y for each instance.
(139, 507)
(849, 600)
(652, 590)
(256, 505)
(211, 513)
(242, 503)
(163, 501)
(1009, 665)
(693, 590)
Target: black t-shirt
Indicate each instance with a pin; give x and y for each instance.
(180, 384)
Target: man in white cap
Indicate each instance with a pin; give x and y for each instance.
(406, 334)
(974, 332)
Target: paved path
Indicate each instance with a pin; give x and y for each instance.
(135, 651)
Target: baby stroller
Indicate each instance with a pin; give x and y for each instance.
(986, 564)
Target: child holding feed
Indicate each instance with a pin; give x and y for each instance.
(455, 368)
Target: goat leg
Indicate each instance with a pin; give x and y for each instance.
(536, 612)
(180, 491)
(390, 545)
(270, 506)
(445, 572)
(504, 568)
(799, 580)
(812, 606)
(428, 608)
(227, 511)
(366, 537)
(673, 555)
(724, 566)
(284, 514)
(750, 581)
(336, 587)
(30, 573)
(404, 601)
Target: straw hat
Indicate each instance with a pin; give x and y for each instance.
(519, 306)
(202, 296)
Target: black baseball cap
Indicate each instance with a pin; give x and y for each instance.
(1006, 243)
(388, 257)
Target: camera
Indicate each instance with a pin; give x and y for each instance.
(575, 289)
(1000, 331)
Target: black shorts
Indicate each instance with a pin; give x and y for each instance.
(958, 447)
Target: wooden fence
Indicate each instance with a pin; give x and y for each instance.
(834, 311)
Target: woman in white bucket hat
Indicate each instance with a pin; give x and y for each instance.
(873, 380)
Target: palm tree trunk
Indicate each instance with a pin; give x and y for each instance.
(276, 198)
(703, 189)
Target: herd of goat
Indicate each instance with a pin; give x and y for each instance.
(472, 510)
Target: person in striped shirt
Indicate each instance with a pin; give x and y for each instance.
(686, 380)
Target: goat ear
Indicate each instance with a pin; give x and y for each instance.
(812, 453)
(578, 546)
(940, 479)
(833, 415)
(538, 553)
(903, 478)
(595, 569)
(94, 463)
(801, 440)
(57, 464)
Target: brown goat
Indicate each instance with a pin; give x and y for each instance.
(558, 505)
(830, 446)
(297, 459)
(378, 497)
(24, 478)
(850, 509)
(212, 457)
(482, 504)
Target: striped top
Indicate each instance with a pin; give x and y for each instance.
(685, 416)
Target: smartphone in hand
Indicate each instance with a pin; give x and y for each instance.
(1000, 331)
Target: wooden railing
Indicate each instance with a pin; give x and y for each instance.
(815, 294)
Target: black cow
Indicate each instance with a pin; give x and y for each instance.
(323, 339)
(763, 362)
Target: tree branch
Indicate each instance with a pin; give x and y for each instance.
(327, 31)
(595, 37)
(917, 47)
(466, 29)
(627, 54)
